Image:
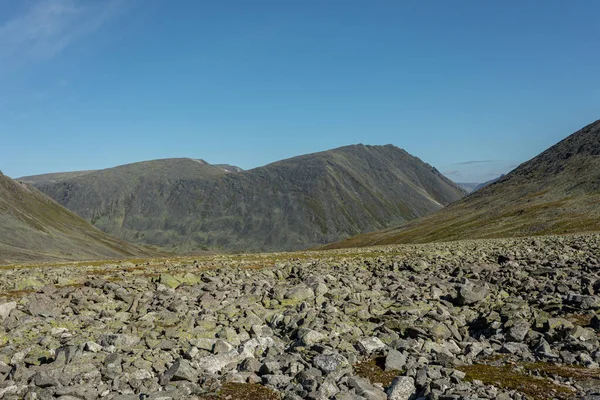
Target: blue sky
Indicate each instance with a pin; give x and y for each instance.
(471, 87)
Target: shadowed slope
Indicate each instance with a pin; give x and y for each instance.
(34, 227)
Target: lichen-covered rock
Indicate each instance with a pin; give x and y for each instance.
(402, 388)
(6, 308)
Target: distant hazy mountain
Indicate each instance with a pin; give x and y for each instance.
(34, 227)
(187, 205)
(556, 192)
(484, 184)
(468, 187)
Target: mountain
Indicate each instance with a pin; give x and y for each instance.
(34, 227)
(468, 187)
(556, 192)
(188, 205)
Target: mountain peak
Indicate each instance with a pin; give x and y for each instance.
(556, 192)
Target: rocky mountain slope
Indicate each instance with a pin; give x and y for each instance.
(34, 227)
(492, 319)
(556, 192)
(190, 205)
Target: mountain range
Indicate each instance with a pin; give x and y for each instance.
(187, 205)
(556, 192)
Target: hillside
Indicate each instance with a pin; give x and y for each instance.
(35, 228)
(189, 205)
(554, 193)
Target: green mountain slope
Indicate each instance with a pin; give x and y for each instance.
(33, 227)
(189, 205)
(556, 192)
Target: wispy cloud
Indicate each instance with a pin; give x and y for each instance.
(453, 173)
(47, 27)
(476, 162)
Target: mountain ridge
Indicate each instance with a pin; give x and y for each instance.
(285, 205)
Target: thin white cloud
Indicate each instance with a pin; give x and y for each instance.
(47, 27)
(453, 173)
(476, 162)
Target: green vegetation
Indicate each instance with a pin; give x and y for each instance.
(512, 378)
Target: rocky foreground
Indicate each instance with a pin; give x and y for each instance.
(501, 319)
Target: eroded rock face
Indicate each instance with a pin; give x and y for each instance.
(301, 324)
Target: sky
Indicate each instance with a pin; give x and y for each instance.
(473, 88)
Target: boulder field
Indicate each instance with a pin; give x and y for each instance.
(485, 319)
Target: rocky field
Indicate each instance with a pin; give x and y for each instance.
(497, 319)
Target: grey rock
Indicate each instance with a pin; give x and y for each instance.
(309, 337)
(112, 366)
(402, 388)
(181, 370)
(395, 360)
(299, 293)
(278, 380)
(6, 308)
(471, 293)
(370, 345)
(518, 330)
(216, 363)
(46, 379)
(330, 362)
(365, 389)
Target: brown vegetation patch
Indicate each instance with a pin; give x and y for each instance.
(582, 320)
(244, 391)
(16, 294)
(575, 372)
(509, 377)
(374, 371)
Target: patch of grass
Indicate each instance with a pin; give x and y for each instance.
(537, 194)
(16, 294)
(244, 391)
(374, 371)
(510, 378)
(496, 358)
(575, 372)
